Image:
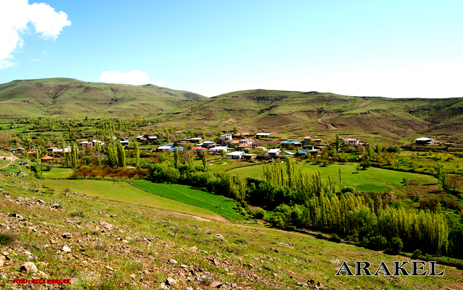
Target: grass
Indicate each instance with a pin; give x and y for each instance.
(153, 237)
(57, 172)
(372, 179)
(124, 192)
(182, 193)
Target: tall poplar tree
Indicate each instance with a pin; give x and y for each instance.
(120, 155)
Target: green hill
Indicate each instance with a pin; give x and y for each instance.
(285, 112)
(74, 98)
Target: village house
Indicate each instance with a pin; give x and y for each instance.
(218, 149)
(307, 139)
(226, 137)
(351, 141)
(273, 152)
(246, 141)
(423, 141)
(234, 155)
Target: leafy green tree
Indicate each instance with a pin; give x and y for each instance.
(176, 158)
(137, 155)
(204, 160)
(337, 142)
(120, 155)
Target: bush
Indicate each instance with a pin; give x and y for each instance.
(396, 245)
(335, 238)
(278, 220)
(347, 189)
(378, 243)
(6, 239)
(259, 214)
(416, 254)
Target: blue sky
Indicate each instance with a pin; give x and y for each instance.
(365, 48)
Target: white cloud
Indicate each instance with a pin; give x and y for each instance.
(15, 15)
(134, 77)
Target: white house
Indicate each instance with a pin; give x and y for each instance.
(423, 141)
(351, 141)
(273, 152)
(307, 139)
(246, 141)
(218, 149)
(226, 137)
(235, 155)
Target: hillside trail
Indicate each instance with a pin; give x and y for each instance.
(11, 158)
(363, 104)
(329, 125)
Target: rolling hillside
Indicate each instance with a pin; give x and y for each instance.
(73, 98)
(285, 112)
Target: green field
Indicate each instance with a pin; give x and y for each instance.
(57, 172)
(182, 193)
(124, 192)
(372, 179)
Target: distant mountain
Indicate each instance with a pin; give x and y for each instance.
(286, 112)
(73, 98)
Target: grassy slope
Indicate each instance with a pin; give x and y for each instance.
(124, 192)
(285, 112)
(247, 259)
(215, 203)
(68, 97)
(372, 179)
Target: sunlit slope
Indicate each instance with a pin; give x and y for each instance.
(73, 98)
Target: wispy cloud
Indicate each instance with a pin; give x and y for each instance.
(134, 77)
(36, 60)
(15, 16)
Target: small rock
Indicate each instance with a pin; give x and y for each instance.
(220, 237)
(170, 281)
(52, 242)
(172, 261)
(298, 283)
(109, 268)
(67, 235)
(29, 267)
(215, 284)
(193, 249)
(56, 206)
(66, 249)
(1, 263)
(40, 201)
(30, 256)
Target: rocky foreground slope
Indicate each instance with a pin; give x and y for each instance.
(101, 244)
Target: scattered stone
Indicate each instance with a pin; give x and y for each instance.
(67, 235)
(172, 261)
(40, 201)
(215, 284)
(336, 261)
(30, 256)
(109, 268)
(15, 215)
(107, 226)
(298, 283)
(52, 242)
(66, 249)
(1, 263)
(55, 206)
(220, 237)
(170, 281)
(29, 267)
(193, 249)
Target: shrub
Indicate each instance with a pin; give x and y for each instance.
(416, 254)
(377, 243)
(396, 245)
(335, 238)
(6, 239)
(259, 214)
